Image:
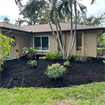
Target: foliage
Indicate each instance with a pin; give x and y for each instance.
(32, 14)
(67, 63)
(57, 55)
(32, 63)
(30, 52)
(4, 47)
(91, 21)
(55, 71)
(6, 20)
(101, 41)
(104, 61)
(53, 56)
(1, 69)
(72, 56)
(82, 58)
(50, 55)
(44, 57)
(18, 54)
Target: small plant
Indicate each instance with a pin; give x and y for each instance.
(50, 55)
(72, 56)
(104, 61)
(55, 71)
(1, 63)
(67, 63)
(1, 69)
(82, 58)
(44, 57)
(32, 63)
(30, 52)
(18, 54)
(57, 55)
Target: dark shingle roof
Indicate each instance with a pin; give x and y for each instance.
(4, 25)
(46, 27)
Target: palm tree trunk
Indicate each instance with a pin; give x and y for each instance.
(74, 36)
(52, 28)
(71, 33)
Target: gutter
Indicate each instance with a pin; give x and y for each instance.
(100, 33)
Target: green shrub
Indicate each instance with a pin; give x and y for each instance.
(82, 58)
(72, 56)
(67, 63)
(30, 52)
(57, 55)
(18, 57)
(32, 63)
(104, 61)
(50, 55)
(44, 57)
(55, 71)
(1, 69)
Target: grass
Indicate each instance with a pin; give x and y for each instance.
(88, 94)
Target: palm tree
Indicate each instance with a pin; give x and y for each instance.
(59, 9)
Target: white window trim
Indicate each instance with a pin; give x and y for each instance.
(41, 42)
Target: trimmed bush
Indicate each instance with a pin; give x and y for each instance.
(67, 63)
(55, 71)
(32, 63)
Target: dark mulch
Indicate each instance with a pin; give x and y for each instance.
(17, 73)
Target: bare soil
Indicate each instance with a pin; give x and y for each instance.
(19, 74)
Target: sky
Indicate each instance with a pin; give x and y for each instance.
(9, 9)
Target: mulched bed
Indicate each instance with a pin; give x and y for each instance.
(17, 73)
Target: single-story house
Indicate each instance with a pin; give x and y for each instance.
(40, 36)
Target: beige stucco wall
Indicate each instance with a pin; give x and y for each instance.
(89, 38)
(52, 42)
(67, 40)
(21, 40)
(90, 43)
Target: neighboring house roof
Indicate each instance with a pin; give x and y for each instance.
(46, 27)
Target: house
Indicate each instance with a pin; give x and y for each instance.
(40, 36)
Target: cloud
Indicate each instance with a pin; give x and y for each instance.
(95, 9)
(9, 9)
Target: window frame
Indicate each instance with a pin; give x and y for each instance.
(41, 42)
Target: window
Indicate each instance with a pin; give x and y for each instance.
(41, 42)
(79, 42)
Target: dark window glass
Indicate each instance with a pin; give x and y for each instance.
(79, 42)
(37, 43)
(45, 45)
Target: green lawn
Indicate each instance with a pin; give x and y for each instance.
(89, 94)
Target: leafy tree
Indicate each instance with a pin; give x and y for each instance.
(4, 47)
(92, 20)
(101, 41)
(59, 9)
(6, 20)
(33, 13)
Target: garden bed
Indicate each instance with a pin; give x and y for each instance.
(18, 73)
